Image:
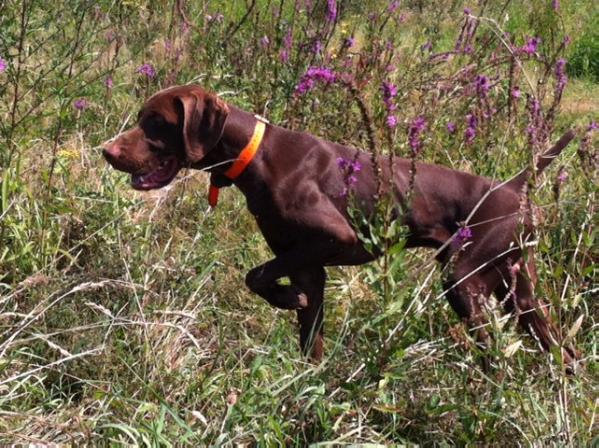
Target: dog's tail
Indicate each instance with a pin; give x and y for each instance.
(544, 159)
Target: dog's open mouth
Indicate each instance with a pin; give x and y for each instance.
(157, 178)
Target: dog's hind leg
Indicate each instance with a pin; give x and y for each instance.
(532, 313)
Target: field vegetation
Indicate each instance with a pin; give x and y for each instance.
(124, 318)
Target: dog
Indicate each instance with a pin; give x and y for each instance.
(298, 187)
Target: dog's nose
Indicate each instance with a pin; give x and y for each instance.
(111, 151)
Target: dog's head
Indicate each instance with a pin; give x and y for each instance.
(176, 127)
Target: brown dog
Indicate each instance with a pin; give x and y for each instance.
(296, 187)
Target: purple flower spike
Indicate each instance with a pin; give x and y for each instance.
(467, 11)
(451, 127)
(391, 121)
(349, 42)
(147, 69)
(342, 163)
(482, 86)
(562, 176)
(3, 64)
(555, 5)
(287, 43)
(593, 126)
(417, 126)
(463, 235)
(349, 167)
(393, 6)
(80, 104)
(516, 92)
(470, 132)
(331, 10)
(264, 41)
(312, 75)
(108, 82)
(389, 90)
(560, 75)
(531, 46)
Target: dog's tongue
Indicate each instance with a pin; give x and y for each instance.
(157, 178)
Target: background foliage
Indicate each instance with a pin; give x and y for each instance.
(123, 316)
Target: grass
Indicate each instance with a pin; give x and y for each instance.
(123, 316)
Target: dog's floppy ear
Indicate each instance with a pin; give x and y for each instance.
(203, 123)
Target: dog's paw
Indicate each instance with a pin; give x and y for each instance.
(302, 300)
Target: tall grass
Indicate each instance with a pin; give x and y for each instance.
(123, 316)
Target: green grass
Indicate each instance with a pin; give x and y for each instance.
(123, 316)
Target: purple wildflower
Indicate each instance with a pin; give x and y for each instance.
(80, 104)
(482, 86)
(470, 132)
(108, 82)
(264, 41)
(516, 92)
(467, 11)
(535, 121)
(562, 175)
(331, 10)
(451, 127)
(3, 64)
(147, 69)
(560, 75)
(287, 42)
(393, 6)
(349, 42)
(417, 126)
(349, 167)
(343, 163)
(353, 165)
(535, 107)
(391, 121)
(593, 126)
(463, 235)
(312, 75)
(555, 5)
(531, 46)
(389, 93)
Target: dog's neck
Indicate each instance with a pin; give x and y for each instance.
(238, 130)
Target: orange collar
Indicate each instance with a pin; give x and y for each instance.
(241, 163)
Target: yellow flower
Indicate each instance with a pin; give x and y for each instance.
(68, 153)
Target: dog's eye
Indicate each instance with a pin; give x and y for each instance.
(154, 127)
(155, 121)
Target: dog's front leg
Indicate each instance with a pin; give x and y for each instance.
(311, 282)
(304, 267)
(305, 293)
(264, 279)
